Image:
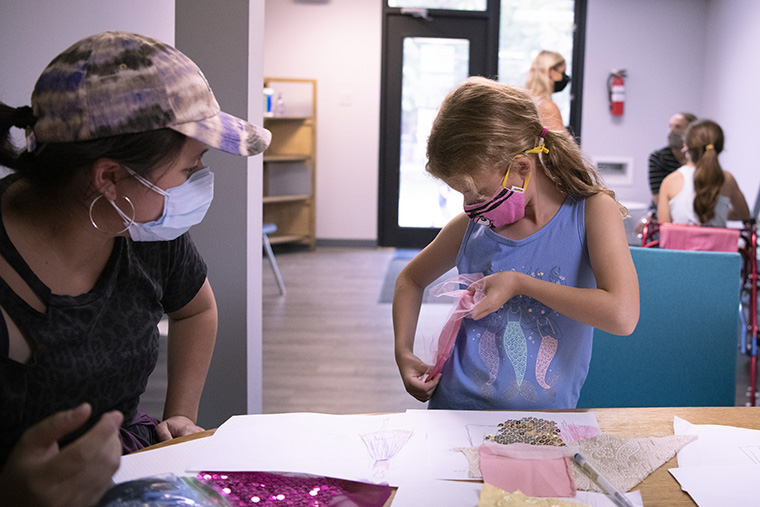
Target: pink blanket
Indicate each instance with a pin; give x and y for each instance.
(694, 237)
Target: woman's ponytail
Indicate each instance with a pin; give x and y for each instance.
(704, 140)
(8, 153)
(19, 117)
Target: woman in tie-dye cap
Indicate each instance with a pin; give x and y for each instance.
(93, 250)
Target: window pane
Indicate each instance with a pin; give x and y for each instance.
(431, 68)
(529, 26)
(454, 5)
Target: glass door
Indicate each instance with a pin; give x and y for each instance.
(425, 57)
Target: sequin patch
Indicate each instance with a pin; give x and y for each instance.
(273, 489)
(528, 430)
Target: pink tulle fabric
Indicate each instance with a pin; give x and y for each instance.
(466, 301)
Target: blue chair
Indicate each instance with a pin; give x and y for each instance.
(683, 351)
(267, 229)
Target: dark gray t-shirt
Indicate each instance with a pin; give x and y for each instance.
(99, 347)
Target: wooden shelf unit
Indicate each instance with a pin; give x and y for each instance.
(290, 162)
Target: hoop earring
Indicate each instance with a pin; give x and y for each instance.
(128, 220)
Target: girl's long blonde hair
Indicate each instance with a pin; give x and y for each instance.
(484, 124)
(538, 81)
(704, 140)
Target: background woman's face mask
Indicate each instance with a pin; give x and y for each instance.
(184, 206)
(675, 140)
(562, 83)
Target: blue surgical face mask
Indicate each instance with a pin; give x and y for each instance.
(184, 206)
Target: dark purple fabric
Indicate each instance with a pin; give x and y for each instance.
(133, 436)
(5, 341)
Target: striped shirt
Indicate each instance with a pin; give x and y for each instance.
(661, 163)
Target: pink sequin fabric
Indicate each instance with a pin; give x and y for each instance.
(282, 489)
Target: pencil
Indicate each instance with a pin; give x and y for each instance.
(612, 492)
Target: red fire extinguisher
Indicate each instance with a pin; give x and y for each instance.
(616, 91)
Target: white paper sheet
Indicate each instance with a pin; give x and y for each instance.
(718, 445)
(449, 429)
(466, 494)
(721, 467)
(172, 459)
(719, 486)
(376, 449)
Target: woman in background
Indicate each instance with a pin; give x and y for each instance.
(547, 76)
(701, 192)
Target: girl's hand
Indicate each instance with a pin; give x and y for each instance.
(176, 426)
(497, 288)
(412, 370)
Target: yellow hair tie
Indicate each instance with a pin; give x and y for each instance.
(538, 149)
(709, 147)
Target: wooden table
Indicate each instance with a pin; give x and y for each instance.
(660, 488)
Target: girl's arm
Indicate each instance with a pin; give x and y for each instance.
(739, 208)
(433, 261)
(192, 333)
(666, 194)
(613, 306)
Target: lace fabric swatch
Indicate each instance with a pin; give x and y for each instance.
(491, 496)
(624, 461)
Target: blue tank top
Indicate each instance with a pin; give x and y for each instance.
(525, 356)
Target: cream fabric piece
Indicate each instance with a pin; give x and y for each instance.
(491, 496)
(624, 461)
(472, 455)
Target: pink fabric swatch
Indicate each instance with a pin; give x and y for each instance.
(540, 471)
(578, 432)
(693, 237)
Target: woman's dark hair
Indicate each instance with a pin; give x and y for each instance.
(704, 140)
(53, 166)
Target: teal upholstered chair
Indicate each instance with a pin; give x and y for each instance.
(683, 351)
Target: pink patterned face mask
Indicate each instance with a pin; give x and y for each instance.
(506, 207)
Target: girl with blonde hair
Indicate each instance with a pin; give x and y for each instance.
(701, 192)
(546, 76)
(548, 239)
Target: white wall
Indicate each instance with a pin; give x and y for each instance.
(338, 44)
(732, 76)
(254, 214)
(662, 46)
(33, 32)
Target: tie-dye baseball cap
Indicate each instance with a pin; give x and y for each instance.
(115, 83)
